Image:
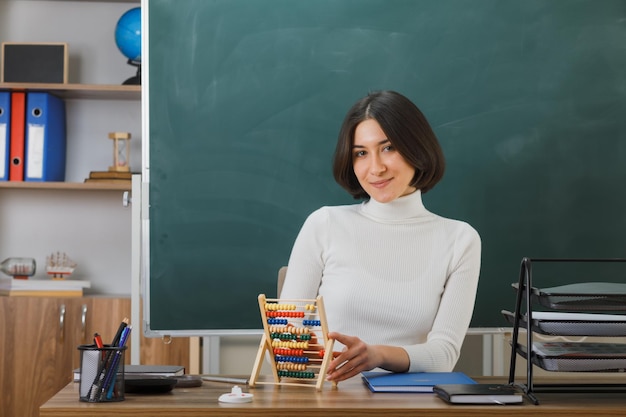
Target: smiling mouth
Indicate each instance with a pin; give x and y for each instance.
(380, 184)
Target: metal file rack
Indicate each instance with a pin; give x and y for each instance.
(571, 310)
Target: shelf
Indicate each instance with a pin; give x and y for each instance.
(81, 91)
(26, 185)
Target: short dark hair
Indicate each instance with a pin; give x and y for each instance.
(406, 128)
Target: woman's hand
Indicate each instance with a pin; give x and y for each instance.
(357, 356)
(354, 358)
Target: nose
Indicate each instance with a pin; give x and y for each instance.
(377, 166)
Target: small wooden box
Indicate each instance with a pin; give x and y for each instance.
(34, 63)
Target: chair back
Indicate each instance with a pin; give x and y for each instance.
(282, 272)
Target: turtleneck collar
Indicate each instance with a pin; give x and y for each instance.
(403, 208)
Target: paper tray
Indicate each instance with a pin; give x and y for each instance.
(573, 324)
(580, 365)
(597, 296)
(580, 357)
(583, 363)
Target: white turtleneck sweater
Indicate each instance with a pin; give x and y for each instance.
(392, 274)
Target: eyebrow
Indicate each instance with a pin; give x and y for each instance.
(382, 142)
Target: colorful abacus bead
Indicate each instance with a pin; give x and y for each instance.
(293, 359)
(290, 344)
(283, 336)
(276, 321)
(288, 352)
(296, 374)
(299, 330)
(291, 366)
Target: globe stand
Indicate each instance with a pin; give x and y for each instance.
(136, 80)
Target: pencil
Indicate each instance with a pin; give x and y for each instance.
(120, 329)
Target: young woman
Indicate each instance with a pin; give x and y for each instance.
(398, 281)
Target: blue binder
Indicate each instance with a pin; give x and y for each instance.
(45, 137)
(5, 134)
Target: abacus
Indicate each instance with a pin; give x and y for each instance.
(295, 339)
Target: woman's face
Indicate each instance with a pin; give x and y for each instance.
(381, 170)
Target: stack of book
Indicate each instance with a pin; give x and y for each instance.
(42, 287)
(110, 177)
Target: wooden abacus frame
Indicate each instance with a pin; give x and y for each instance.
(292, 318)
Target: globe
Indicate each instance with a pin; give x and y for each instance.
(128, 35)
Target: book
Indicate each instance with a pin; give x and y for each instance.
(145, 370)
(479, 393)
(123, 175)
(411, 381)
(41, 293)
(42, 287)
(109, 180)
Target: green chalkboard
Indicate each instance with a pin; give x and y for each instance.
(528, 99)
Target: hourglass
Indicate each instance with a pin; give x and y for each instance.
(121, 151)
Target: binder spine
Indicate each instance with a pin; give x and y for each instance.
(5, 134)
(45, 137)
(16, 147)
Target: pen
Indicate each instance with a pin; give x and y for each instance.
(212, 378)
(96, 388)
(97, 340)
(109, 384)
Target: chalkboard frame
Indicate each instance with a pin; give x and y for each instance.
(554, 187)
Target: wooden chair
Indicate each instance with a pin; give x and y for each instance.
(282, 272)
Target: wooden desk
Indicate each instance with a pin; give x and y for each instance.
(352, 398)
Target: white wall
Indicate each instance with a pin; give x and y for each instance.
(87, 26)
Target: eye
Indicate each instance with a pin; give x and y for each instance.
(359, 154)
(388, 148)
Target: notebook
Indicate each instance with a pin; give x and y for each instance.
(146, 370)
(479, 393)
(411, 381)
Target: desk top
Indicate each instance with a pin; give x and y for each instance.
(351, 398)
